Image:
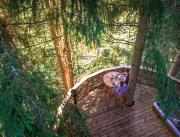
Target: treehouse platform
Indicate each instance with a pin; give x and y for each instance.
(109, 118)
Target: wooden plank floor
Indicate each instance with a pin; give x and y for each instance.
(110, 119)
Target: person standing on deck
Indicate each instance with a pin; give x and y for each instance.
(122, 91)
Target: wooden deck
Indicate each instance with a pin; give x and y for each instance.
(110, 119)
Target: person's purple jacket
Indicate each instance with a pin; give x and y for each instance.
(122, 89)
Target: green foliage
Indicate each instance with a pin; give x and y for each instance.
(152, 8)
(73, 122)
(167, 94)
(79, 18)
(28, 106)
(84, 22)
(31, 94)
(157, 56)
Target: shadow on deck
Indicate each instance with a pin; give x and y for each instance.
(108, 119)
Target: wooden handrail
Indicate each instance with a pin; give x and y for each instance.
(87, 78)
(77, 85)
(175, 79)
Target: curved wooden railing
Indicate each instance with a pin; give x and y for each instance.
(175, 79)
(94, 80)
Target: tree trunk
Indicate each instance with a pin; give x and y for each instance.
(63, 50)
(64, 56)
(69, 62)
(59, 51)
(175, 66)
(137, 56)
